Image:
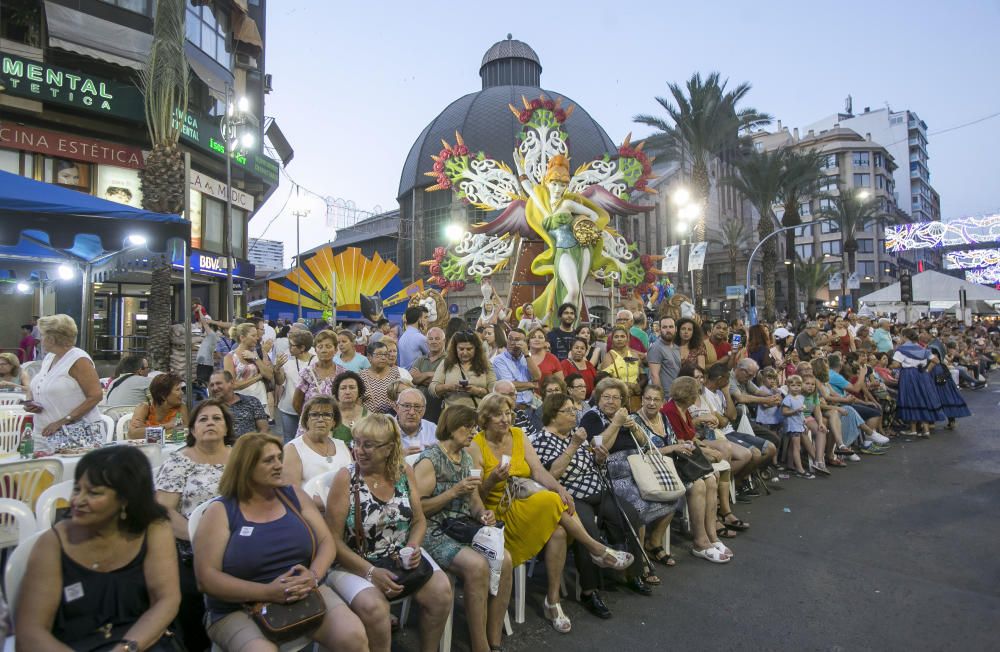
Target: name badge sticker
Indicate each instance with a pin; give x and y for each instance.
(246, 531)
(73, 592)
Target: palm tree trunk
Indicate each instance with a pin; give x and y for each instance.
(158, 342)
(765, 227)
(791, 218)
(702, 186)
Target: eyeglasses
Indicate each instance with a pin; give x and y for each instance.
(368, 446)
(321, 415)
(410, 407)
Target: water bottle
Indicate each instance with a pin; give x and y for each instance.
(178, 431)
(27, 439)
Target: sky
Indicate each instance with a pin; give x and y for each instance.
(356, 82)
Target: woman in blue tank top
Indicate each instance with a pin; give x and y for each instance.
(263, 541)
(106, 578)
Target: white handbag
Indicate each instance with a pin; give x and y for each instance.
(655, 475)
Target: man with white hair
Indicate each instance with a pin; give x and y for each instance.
(624, 319)
(882, 336)
(746, 393)
(418, 432)
(526, 420)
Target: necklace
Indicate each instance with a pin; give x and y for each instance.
(327, 443)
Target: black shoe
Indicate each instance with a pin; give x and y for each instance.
(743, 499)
(638, 585)
(595, 605)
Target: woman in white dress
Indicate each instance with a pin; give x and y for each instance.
(66, 388)
(315, 452)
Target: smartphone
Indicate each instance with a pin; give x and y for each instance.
(463, 383)
(737, 340)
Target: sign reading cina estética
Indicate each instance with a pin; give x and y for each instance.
(45, 83)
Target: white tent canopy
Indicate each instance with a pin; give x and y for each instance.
(939, 291)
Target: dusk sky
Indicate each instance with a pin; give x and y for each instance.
(356, 82)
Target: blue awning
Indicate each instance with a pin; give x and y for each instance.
(35, 214)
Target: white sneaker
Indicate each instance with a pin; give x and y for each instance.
(878, 438)
(854, 458)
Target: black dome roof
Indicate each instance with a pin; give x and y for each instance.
(487, 124)
(510, 49)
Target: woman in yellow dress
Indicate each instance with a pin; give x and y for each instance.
(622, 362)
(546, 518)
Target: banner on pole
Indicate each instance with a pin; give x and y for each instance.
(836, 281)
(671, 258)
(853, 281)
(696, 259)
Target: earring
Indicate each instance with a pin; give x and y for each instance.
(123, 515)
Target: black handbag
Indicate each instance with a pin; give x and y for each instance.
(411, 579)
(280, 622)
(462, 529)
(692, 467)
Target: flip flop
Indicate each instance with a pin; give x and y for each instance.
(711, 554)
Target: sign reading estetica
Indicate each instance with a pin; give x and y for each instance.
(67, 146)
(39, 81)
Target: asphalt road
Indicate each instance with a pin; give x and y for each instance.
(897, 552)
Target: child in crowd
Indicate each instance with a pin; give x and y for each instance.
(816, 425)
(769, 416)
(793, 408)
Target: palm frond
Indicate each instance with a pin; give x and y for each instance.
(164, 80)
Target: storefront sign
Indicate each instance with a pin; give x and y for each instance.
(208, 264)
(67, 146)
(39, 81)
(205, 134)
(215, 188)
(119, 185)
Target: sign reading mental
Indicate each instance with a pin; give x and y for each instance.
(39, 81)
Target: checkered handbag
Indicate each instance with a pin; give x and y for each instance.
(655, 475)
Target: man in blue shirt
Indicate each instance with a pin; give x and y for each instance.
(882, 337)
(514, 364)
(871, 412)
(413, 343)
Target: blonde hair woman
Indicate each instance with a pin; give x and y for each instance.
(66, 388)
(11, 375)
(249, 370)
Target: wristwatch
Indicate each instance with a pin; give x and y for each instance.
(128, 645)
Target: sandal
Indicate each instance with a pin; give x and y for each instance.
(711, 554)
(620, 560)
(661, 556)
(721, 547)
(836, 462)
(554, 613)
(738, 524)
(724, 532)
(651, 579)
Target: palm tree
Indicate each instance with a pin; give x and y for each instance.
(799, 182)
(164, 83)
(811, 275)
(759, 180)
(703, 122)
(852, 210)
(733, 238)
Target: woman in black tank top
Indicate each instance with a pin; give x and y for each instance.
(107, 576)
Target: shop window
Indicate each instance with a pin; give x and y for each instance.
(143, 7)
(10, 161)
(237, 229)
(195, 217)
(71, 174)
(437, 214)
(21, 22)
(866, 246)
(212, 220)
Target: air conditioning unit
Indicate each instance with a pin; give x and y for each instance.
(245, 61)
(268, 83)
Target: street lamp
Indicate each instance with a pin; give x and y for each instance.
(454, 232)
(681, 196)
(300, 209)
(237, 137)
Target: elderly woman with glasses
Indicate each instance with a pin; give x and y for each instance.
(379, 377)
(315, 451)
(375, 511)
(449, 482)
(537, 510)
(465, 377)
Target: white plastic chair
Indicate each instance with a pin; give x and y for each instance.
(108, 425)
(320, 485)
(121, 428)
(193, 520)
(412, 458)
(49, 502)
(14, 573)
(23, 519)
(11, 423)
(11, 399)
(24, 482)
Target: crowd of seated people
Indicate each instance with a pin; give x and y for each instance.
(542, 443)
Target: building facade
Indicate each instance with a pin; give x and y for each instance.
(71, 114)
(267, 255)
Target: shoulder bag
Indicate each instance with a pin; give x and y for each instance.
(654, 475)
(411, 579)
(280, 622)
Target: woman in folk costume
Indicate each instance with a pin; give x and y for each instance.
(952, 403)
(918, 402)
(571, 225)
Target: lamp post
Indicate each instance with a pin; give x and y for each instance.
(688, 214)
(751, 293)
(236, 139)
(300, 210)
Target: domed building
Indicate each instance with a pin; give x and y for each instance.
(510, 69)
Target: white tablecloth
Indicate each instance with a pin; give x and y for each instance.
(156, 454)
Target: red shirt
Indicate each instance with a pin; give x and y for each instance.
(550, 365)
(589, 373)
(680, 423)
(722, 349)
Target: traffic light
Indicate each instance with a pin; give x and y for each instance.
(906, 287)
